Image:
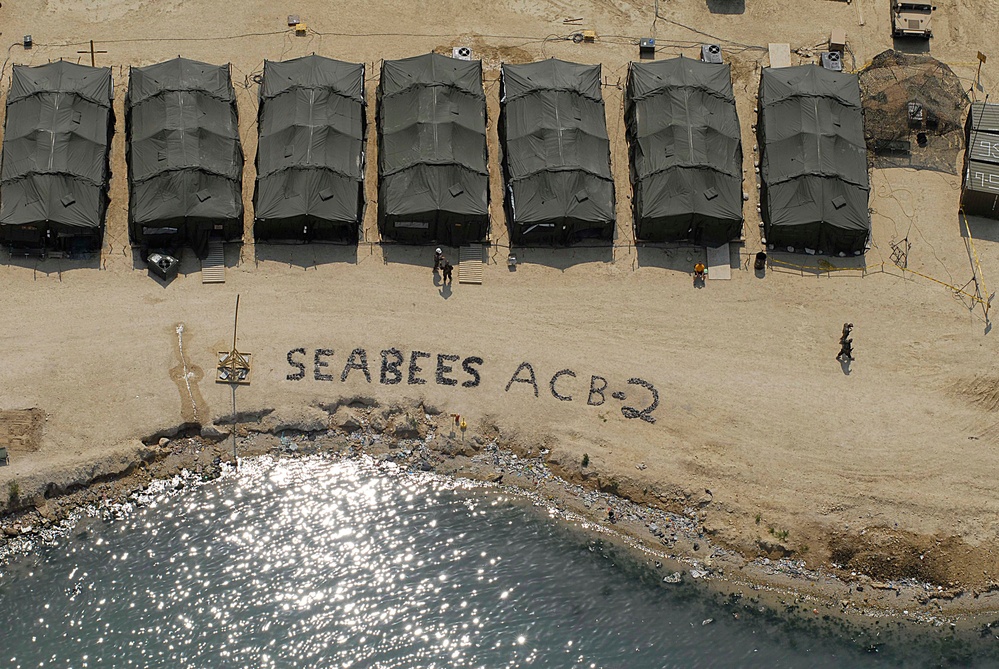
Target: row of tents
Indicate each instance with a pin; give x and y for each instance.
(185, 161)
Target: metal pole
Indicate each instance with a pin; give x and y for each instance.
(235, 320)
(235, 460)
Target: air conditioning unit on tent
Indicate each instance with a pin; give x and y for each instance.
(461, 53)
(711, 53)
(832, 60)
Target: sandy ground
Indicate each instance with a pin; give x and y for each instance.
(887, 469)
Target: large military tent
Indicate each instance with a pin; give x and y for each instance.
(53, 190)
(556, 153)
(813, 161)
(686, 152)
(185, 162)
(433, 174)
(310, 157)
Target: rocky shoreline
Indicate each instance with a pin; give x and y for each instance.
(667, 536)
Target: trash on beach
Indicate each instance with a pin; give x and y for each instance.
(698, 573)
(673, 578)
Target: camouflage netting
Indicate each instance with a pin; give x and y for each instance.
(913, 99)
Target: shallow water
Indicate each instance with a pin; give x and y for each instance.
(320, 563)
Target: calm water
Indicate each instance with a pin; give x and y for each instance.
(315, 563)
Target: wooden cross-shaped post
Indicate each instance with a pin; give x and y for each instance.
(93, 53)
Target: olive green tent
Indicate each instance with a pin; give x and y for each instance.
(686, 152)
(556, 153)
(185, 162)
(432, 165)
(310, 155)
(57, 134)
(813, 161)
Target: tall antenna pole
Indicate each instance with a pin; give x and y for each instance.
(235, 460)
(234, 369)
(235, 320)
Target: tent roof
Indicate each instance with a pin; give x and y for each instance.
(432, 69)
(808, 81)
(554, 121)
(686, 149)
(432, 112)
(551, 75)
(310, 154)
(813, 124)
(313, 73)
(814, 157)
(432, 148)
(184, 154)
(557, 153)
(681, 113)
(650, 79)
(179, 74)
(90, 83)
(183, 130)
(55, 146)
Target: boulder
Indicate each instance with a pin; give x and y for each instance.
(346, 419)
(216, 432)
(408, 426)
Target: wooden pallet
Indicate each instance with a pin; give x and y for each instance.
(213, 266)
(470, 265)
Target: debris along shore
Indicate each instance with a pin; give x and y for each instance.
(420, 439)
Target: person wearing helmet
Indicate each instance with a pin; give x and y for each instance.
(438, 259)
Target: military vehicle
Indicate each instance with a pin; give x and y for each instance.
(912, 19)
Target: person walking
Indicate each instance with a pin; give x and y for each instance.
(846, 344)
(438, 259)
(448, 268)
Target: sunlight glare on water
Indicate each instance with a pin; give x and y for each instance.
(321, 563)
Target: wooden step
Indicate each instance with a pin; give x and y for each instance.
(470, 264)
(213, 265)
(719, 262)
